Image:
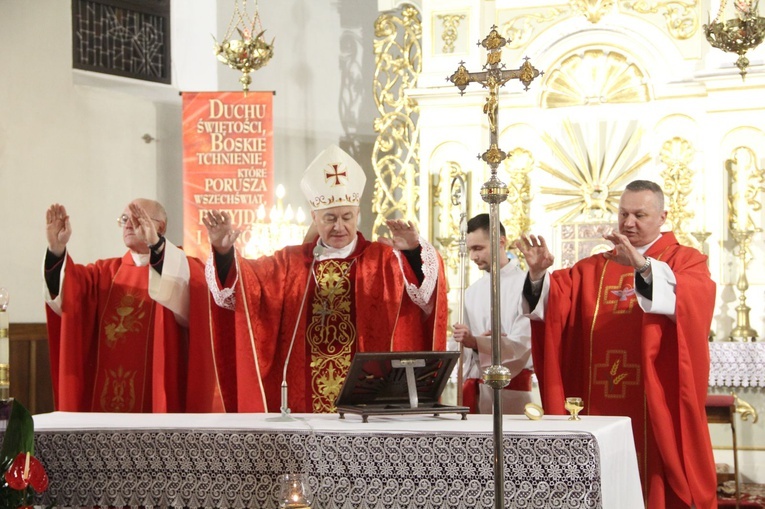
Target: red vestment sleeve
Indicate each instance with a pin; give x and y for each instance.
(72, 336)
(203, 392)
(676, 375)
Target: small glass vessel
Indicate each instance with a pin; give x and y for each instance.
(574, 406)
(294, 491)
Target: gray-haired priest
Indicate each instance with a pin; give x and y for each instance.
(313, 306)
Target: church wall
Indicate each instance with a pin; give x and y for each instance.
(61, 143)
(75, 138)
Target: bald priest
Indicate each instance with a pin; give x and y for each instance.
(301, 314)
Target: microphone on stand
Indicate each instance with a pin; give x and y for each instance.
(317, 252)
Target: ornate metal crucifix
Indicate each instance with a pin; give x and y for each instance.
(494, 192)
(493, 76)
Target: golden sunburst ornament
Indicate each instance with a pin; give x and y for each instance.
(594, 161)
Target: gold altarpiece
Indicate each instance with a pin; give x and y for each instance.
(631, 89)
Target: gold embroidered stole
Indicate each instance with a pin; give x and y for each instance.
(615, 380)
(331, 333)
(125, 330)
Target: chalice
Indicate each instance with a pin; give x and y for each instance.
(574, 406)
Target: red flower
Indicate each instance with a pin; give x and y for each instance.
(26, 470)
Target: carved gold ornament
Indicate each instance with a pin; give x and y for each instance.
(520, 30)
(395, 157)
(593, 10)
(449, 35)
(676, 155)
(517, 166)
(592, 173)
(595, 77)
(680, 15)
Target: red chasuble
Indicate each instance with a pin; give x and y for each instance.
(353, 304)
(203, 393)
(598, 344)
(113, 349)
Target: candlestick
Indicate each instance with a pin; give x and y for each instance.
(743, 331)
(5, 378)
(701, 237)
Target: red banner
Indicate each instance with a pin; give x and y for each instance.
(227, 161)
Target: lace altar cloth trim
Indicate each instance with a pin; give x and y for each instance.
(240, 469)
(736, 364)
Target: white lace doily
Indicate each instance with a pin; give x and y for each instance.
(240, 469)
(736, 364)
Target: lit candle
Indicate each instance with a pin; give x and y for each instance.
(275, 215)
(701, 222)
(289, 215)
(742, 207)
(4, 344)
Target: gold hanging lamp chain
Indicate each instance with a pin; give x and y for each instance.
(720, 10)
(251, 51)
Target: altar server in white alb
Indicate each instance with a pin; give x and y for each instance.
(475, 333)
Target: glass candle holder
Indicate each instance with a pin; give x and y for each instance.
(294, 491)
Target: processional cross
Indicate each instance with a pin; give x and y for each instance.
(494, 192)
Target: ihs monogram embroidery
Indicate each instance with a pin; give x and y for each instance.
(331, 332)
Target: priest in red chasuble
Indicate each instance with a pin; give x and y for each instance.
(118, 329)
(627, 331)
(312, 307)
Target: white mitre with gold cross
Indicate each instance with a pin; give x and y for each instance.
(333, 179)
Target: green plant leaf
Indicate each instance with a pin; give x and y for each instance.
(19, 434)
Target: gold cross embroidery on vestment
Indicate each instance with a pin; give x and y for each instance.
(616, 374)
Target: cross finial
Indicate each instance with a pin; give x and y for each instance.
(493, 76)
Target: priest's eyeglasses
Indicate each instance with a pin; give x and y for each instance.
(125, 219)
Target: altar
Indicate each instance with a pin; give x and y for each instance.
(233, 460)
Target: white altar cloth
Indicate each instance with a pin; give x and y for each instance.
(620, 483)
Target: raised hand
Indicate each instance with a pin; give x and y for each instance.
(404, 235)
(143, 225)
(220, 230)
(624, 253)
(57, 229)
(538, 257)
